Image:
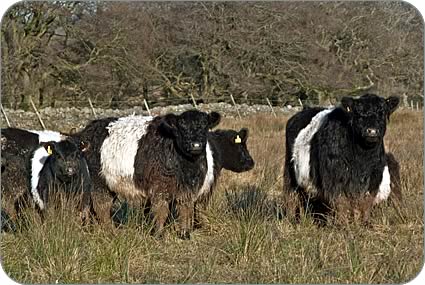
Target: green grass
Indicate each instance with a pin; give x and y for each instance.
(245, 238)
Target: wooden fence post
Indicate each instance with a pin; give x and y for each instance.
(301, 102)
(92, 108)
(193, 100)
(236, 107)
(147, 107)
(38, 114)
(271, 107)
(5, 116)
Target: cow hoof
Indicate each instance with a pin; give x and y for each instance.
(184, 235)
(197, 225)
(158, 234)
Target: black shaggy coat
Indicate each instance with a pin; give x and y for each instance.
(94, 134)
(17, 142)
(13, 180)
(341, 166)
(169, 164)
(66, 170)
(347, 155)
(229, 151)
(161, 166)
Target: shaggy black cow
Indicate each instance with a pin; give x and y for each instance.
(337, 156)
(34, 167)
(161, 159)
(226, 149)
(64, 169)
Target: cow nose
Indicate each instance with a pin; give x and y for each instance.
(196, 146)
(371, 132)
(250, 164)
(70, 170)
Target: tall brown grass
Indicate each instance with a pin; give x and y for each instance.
(245, 239)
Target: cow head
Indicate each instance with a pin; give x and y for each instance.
(368, 116)
(67, 157)
(189, 130)
(234, 152)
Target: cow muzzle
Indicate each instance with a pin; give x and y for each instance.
(371, 132)
(70, 171)
(196, 148)
(372, 135)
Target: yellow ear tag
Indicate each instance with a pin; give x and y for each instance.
(238, 139)
(49, 150)
(348, 109)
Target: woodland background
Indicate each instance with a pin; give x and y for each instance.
(60, 53)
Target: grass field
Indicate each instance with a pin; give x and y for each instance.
(243, 240)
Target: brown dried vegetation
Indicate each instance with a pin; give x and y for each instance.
(246, 237)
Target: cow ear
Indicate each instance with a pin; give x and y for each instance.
(168, 125)
(243, 133)
(214, 119)
(84, 146)
(73, 131)
(347, 104)
(50, 147)
(392, 104)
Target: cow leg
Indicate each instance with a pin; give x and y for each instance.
(291, 203)
(185, 219)
(365, 208)
(7, 224)
(355, 211)
(289, 196)
(342, 210)
(44, 195)
(293, 200)
(160, 211)
(198, 215)
(113, 211)
(21, 203)
(87, 211)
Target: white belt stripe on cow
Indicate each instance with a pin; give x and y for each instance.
(301, 148)
(301, 157)
(119, 149)
(47, 136)
(384, 188)
(209, 177)
(37, 163)
(38, 160)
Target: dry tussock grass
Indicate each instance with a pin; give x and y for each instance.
(246, 238)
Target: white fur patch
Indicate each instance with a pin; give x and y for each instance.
(118, 152)
(209, 177)
(301, 150)
(47, 136)
(384, 188)
(39, 158)
(37, 163)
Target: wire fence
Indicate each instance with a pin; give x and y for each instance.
(237, 106)
(166, 101)
(195, 101)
